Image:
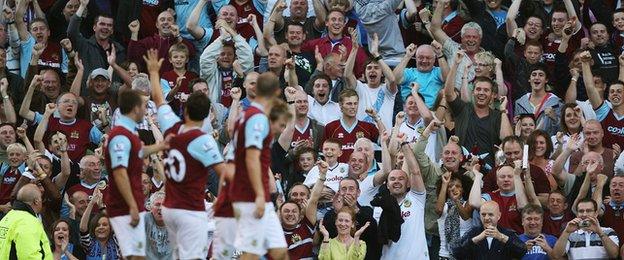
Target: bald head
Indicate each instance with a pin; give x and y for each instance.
(425, 58)
(489, 213)
(424, 49)
(28, 194)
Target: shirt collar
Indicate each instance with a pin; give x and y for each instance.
(258, 105)
(126, 123)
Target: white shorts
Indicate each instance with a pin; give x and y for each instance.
(131, 239)
(256, 236)
(224, 235)
(188, 232)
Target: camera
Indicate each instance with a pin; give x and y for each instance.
(584, 224)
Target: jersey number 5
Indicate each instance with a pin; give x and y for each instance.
(175, 172)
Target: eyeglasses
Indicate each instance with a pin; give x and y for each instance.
(69, 101)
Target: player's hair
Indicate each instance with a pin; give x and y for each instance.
(291, 202)
(322, 76)
(532, 140)
(197, 106)
(40, 20)
(511, 139)
(179, 47)
(532, 208)
(587, 200)
(18, 147)
(349, 178)
(333, 141)
(128, 100)
(347, 93)
(538, 66)
(493, 85)
(267, 85)
(94, 223)
(279, 110)
(534, 44)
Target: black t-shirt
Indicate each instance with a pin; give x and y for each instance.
(477, 135)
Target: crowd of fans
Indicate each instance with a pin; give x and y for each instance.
(312, 129)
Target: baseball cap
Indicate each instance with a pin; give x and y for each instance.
(99, 72)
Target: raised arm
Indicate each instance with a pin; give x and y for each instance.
(594, 98)
(439, 206)
(153, 63)
(386, 162)
(20, 12)
(86, 216)
(621, 73)
(436, 23)
(387, 72)
(21, 133)
(512, 13)
(572, 15)
(398, 70)
(530, 189)
(261, 49)
(571, 93)
(61, 179)
(9, 109)
(449, 88)
(111, 58)
(25, 111)
(192, 23)
(321, 13)
(276, 20)
(558, 172)
(43, 126)
(310, 209)
(601, 181)
(416, 181)
(285, 138)
(474, 199)
(348, 71)
(424, 111)
(521, 197)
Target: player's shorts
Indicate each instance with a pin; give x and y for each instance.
(256, 236)
(224, 235)
(188, 232)
(132, 240)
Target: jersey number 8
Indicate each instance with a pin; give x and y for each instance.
(176, 174)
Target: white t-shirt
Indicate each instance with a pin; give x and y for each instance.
(464, 226)
(412, 243)
(323, 113)
(413, 133)
(332, 178)
(367, 191)
(368, 97)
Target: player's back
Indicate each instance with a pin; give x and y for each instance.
(186, 171)
(251, 128)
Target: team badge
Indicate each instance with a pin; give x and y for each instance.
(340, 135)
(295, 238)
(513, 207)
(407, 203)
(74, 135)
(359, 134)
(254, 243)
(342, 170)
(420, 130)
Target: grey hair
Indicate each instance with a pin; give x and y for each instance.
(83, 161)
(154, 197)
(141, 83)
(471, 25)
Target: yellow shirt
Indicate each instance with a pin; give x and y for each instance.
(337, 251)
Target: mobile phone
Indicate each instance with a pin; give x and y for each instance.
(321, 157)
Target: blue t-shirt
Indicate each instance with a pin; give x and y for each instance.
(499, 16)
(430, 84)
(537, 252)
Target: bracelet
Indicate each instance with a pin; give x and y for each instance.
(325, 242)
(377, 58)
(573, 79)
(442, 56)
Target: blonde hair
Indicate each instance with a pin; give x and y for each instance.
(18, 147)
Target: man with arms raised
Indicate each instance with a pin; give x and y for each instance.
(191, 152)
